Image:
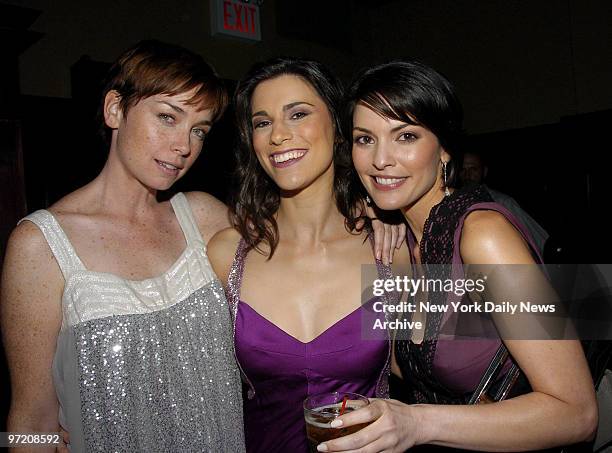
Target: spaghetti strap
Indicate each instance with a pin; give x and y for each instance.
(186, 220)
(60, 245)
(234, 280)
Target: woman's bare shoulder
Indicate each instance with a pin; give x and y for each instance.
(75, 206)
(27, 240)
(210, 214)
(221, 250)
(488, 237)
(30, 269)
(31, 317)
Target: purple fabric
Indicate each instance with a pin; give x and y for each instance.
(456, 364)
(459, 364)
(284, 371)
(493, 206)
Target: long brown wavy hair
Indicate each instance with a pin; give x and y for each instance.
(255, 202)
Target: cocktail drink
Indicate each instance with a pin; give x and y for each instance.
(321, 410)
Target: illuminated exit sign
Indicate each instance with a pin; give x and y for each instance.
(240, 19)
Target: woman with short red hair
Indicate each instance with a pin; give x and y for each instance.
(115, 326)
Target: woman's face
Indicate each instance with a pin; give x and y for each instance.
(159, 138)
(398, 163)
(293, 132)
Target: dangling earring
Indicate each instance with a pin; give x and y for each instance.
(446, 191)
(368, 201)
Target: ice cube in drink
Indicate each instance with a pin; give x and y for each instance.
(318, 419)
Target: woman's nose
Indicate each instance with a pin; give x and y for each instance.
(280, 133)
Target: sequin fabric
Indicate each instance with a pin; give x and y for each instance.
(389, 298)
(234, 283)
(146, 365)
(163, 381)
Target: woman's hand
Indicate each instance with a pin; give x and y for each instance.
(62, 447)
(387, 237)
(394, 428)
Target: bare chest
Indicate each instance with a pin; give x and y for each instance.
(130, 250)
(306, 295)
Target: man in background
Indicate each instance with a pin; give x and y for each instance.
(474, 172)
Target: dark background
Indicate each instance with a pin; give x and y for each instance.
(534, 78)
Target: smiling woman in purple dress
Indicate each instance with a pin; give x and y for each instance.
(295, 281)
(406, 121)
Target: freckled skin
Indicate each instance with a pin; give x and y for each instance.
(116, 225)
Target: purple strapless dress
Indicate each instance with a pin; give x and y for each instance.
(284, 371)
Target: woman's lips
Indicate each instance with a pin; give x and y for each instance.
(386, 183)
(287, 158)
(167, 168)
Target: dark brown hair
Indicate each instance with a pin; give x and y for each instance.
(153, 67)
(257, 199)
(413, 93)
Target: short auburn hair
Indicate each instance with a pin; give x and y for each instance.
(153, 67)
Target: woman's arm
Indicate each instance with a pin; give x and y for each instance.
(31, 316)
(560, 410)
(210, 214)
(387, 237)
(221, 250)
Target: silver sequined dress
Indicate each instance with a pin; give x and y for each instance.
(146, 366)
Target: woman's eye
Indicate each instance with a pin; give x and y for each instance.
(363, 140)
(298, 115)
(260, 124)
(166, 118)
(200, 133)
(407, 137)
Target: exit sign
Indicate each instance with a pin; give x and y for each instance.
(240, 19)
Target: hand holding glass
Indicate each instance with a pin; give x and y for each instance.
(320, 410)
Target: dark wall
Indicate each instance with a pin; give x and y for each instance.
(516, 63)
(559, 174)
(532, 77)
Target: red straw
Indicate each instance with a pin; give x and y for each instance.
(343, 404)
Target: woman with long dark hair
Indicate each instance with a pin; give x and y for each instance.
(292, 260)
